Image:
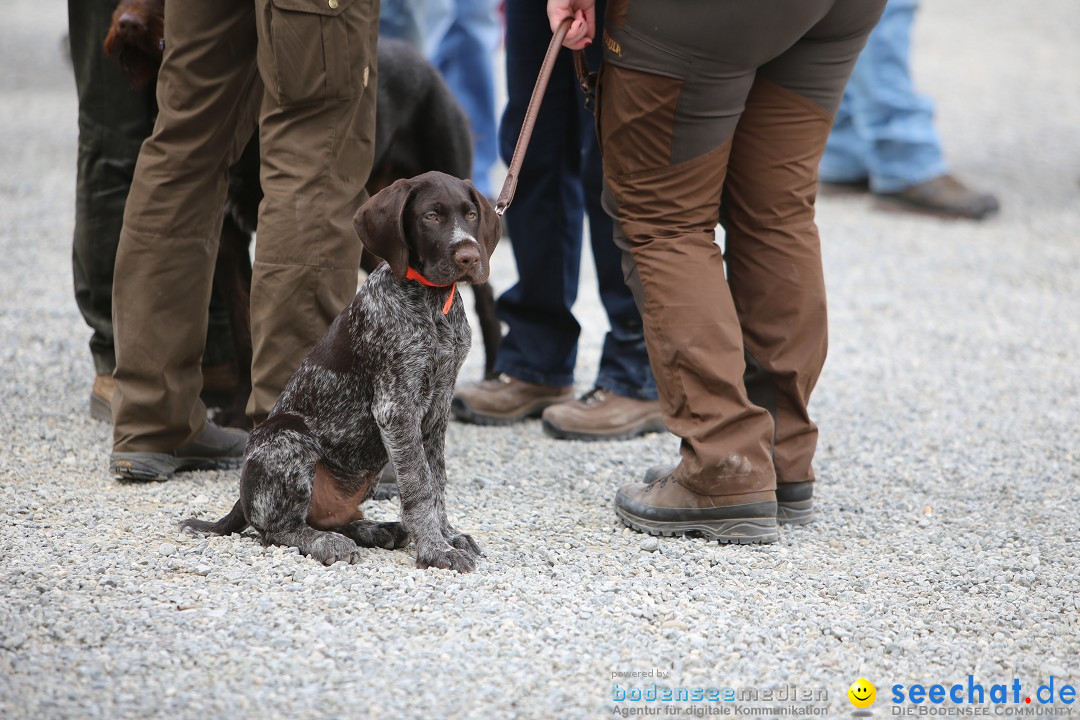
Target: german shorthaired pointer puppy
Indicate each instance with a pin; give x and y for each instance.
(376, 387)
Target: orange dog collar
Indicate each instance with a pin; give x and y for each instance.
(411, 274)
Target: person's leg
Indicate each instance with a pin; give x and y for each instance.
(768, 214)
(624, 360)
(466, 59)
(906, 165)
(114, 119)
(207, 94)
(545, 218)
(623, 402)
(397, 19)
(895, 121)
(545, 224)
(846, 152)
(316, 133)
(668, 115)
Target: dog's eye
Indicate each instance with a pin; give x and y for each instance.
(431, 215)
(471, 215)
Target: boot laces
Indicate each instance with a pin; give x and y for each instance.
(594, 397)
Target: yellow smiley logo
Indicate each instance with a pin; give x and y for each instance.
(862, 693)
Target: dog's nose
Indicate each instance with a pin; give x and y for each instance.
(131, 24)
(467, 256)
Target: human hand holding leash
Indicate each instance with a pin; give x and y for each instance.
(582, 12)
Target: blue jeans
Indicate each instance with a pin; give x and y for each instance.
(884, 131)
(560, 181)
(460, 38)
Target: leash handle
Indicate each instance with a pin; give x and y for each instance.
(510, 184)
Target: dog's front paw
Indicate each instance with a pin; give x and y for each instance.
(464, 543)
(445, 558)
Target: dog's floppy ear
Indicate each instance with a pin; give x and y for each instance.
(380, 223)
(490, 223)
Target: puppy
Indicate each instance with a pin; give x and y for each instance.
(376, 387)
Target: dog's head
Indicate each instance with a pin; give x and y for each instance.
(435, 223)
(135, 39)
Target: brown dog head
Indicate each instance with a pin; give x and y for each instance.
(136, 39)
(437, 224)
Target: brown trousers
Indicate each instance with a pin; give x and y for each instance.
(304, 72)
(718, 114)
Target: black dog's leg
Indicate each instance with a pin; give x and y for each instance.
(232, 278)
(490, 327)
(421, 502)
(275, 489)
(367, 533)
(232, 274)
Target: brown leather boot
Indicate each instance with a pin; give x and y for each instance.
(602, 415)
(101, 396)
(505, 400)
(214, 448)
(666, 507)
(943, 196)
(794, 501)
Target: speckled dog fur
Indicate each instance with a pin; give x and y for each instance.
(377, 386)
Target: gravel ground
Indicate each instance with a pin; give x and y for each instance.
(948, 463)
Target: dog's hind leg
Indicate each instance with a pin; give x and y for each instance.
(367, 533)
(275, 488)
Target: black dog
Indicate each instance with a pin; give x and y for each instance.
(377, 386)
(419, 127)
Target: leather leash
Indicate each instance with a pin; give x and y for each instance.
(587, 81)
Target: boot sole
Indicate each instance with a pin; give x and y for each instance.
(741, 531)
(158, 467)
(463, 412)
(628, 433)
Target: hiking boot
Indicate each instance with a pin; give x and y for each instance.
(101, 396)
(215, 448)
(602, 415)
(504, 400)
(665, 507)
(944, 196)
(794, 501)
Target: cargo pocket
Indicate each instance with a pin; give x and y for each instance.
(321, 49)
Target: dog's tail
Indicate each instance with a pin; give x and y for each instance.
(231, 523)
